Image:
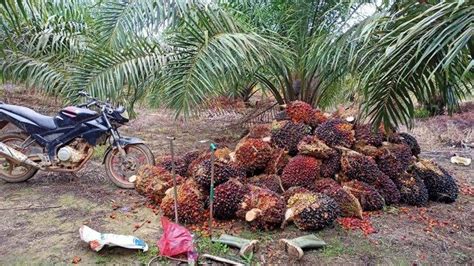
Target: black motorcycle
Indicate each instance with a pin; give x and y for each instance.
(64, 143)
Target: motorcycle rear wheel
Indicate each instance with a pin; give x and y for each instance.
(119, 169)
(10, 171)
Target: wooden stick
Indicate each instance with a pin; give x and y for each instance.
(220, 259)
(31, 208)
(142, 224)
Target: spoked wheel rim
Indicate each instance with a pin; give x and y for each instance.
(9, 168)
(122, 168)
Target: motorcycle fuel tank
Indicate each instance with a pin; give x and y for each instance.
(72, 115)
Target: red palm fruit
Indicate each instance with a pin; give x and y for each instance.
(222, 173)
(369, 198)
(227, 199)
(300, 112)
(262, 208)
(300, 171)
(287, 135)
(253, 154)
(190, 203)
(312, 146)
(336, 132)
(279, 159)
(311, 211)
(394, 159)
(365, 134)
(271, 182)
(348, 204)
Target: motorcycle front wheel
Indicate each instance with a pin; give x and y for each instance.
(120, 168)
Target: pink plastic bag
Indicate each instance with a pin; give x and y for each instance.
(176, 239)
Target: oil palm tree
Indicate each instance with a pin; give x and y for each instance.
(180, 53)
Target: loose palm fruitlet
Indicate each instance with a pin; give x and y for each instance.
(190, 203)
(369, 198)
(227, 199)
(311, 211)
(262, 208)
(300, 171)
(253, 154)
(440, 184)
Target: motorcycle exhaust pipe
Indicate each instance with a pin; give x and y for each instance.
(16, 156)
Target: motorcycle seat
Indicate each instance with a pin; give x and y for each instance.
(41, 120)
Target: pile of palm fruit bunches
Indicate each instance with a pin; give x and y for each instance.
(306, 168)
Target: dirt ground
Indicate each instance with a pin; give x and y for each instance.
(40, 219)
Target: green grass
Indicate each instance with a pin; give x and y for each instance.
(205, 245)
(99, 152)
(103, 259)
(421, 113)
(145, 257)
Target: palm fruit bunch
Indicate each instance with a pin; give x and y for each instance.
(363, 168)
(271, 182)
(394, 159)
(227, 198)
(299, 112)
(412, 189)
(387, 189)
(260, 131)
(336, 132)
(253, 154)
(279, 159)
(318, 118)
(312, 146)
(331, 166)
(300, 171)
(287, 135)
(197, 161)
(222, 173)
(369, 198)
(411, 142)
(181, 163)
(262, 208)
(153, 181)
(190, 203)
(348, 204)
(440, 184)
(365, 134)
(292, 191)
(311, 211)
(359, 167)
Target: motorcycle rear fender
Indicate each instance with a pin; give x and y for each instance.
(124, 141)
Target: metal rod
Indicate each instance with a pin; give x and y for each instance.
(211, 192)
(173, 173)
